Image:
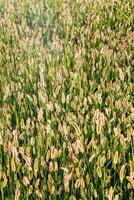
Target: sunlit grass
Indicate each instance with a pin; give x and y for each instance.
(66, 100)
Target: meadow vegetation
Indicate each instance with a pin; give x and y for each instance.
(66, 99)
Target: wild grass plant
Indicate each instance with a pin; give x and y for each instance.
(66, 99)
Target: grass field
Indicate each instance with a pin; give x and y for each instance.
(66, 99)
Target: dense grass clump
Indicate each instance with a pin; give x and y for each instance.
(66, 99)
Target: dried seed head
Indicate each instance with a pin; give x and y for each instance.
(17, 193)
(51, 168)
(40, 114)
(13, 167)
(122, 172)
(58, 108)
(17, 183)
(26, 180)
(77, 172)
(48, 155)
(32, 141)
(27, 160)
(52, 191)
(80, 183)
(91, 158)
(131, 181)
(131, 164)
(37, 183)
(102, 161)
(43, 163)
(67, 178)
(50, 106)
(95, 193)
(35, 167)
(0, 172)
(63, 99)
(54, 153)
(121, 75)
(77, 129)
(72, 198)
(109, 193)
(38, 193)
(116, 197)
(1, 140)
(55, 166)
(30, 190)
(21, 150)
(91, 143)
(115, 159)
(99, 172)
(4, 183)
(128, 135)
(122, 140)
(80, 146)
(77, 183)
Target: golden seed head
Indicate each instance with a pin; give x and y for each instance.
(99, 172)
(115, 159)
(13, 166)
(122, 172)
(38, 193)
(36, 166)
(95, 193)
(30, 190)
(26, 180)
(5, 181)
(17, 193)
